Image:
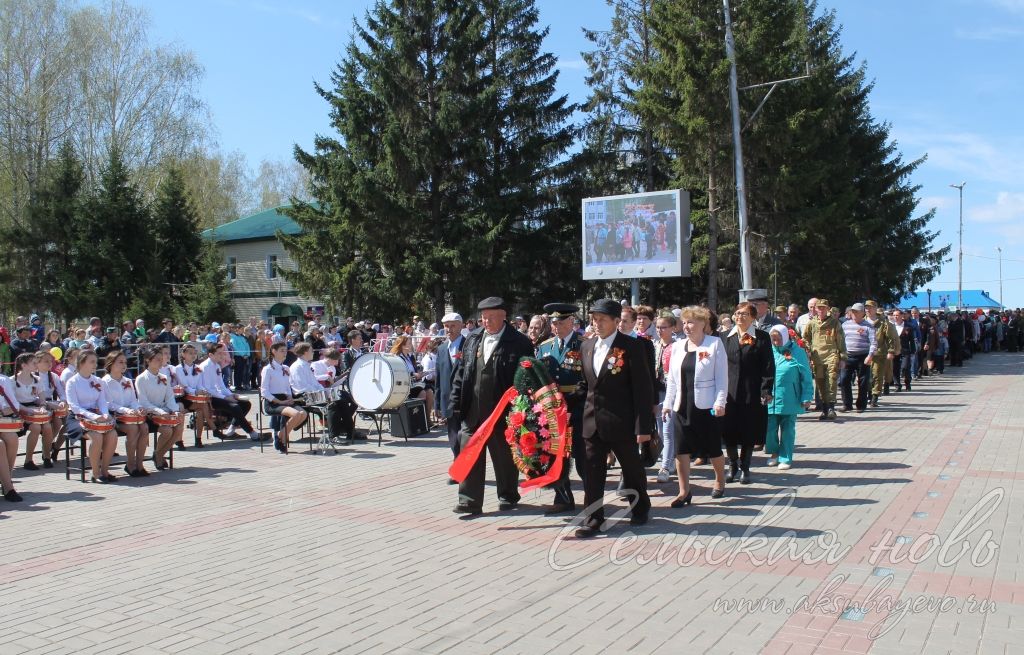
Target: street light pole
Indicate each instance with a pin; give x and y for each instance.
(960, 258)
(746, 272)
(1000, 277)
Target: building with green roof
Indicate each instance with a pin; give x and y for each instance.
(253, 258)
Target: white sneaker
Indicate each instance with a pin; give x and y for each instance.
(664, 476)
(772, 462)
(784, 466)
(253, 436)
(231, 431)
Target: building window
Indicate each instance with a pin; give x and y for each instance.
(232, 266)
(271, 267)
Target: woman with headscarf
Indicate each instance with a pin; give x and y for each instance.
(794, 392)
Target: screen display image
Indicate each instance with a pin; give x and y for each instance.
(636, 235)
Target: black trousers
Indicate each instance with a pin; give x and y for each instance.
(855, 367)
(563, 488)
(956, 353)
(454, 434)
(237, 409)
(596, 473)
(506, 475)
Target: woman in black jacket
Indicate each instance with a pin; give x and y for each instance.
(751, 386)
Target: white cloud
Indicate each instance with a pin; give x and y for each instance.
(1009, 206)
(935, 202)
(1016, 6)
(969, 156)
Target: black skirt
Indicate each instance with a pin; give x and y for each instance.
(695, 430)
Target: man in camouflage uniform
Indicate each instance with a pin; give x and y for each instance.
(828, 352)
(888, 348)
(562, 354)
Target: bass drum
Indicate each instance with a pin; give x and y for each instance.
(379, 381)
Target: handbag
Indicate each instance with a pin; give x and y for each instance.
(650, 451)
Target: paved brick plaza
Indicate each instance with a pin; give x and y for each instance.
(240, 552)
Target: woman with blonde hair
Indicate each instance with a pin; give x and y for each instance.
(696, 389)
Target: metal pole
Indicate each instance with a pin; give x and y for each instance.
(960, 257)
(1000, 277)
(741, 191)
(634, 292)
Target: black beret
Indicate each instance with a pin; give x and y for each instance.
(606, 306)
(560, 309)
(494, 302)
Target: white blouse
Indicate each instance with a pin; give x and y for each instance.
(303, 379)
(189, 377)
(212, 379)
(50, 387)
(8, 398)
(87, 396)
(120, 394)
(429, 364)
(66, 375)
(275, 379)
(27, 394)
(324, 371)
(155, 393)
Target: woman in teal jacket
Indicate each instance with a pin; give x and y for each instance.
(794, 391)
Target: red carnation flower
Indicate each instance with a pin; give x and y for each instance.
(526, 363)
(516, 419)
(544, 459)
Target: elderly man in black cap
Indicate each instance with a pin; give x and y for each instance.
(490, 357)
(619, 395)
(562, 355)
(764, 319)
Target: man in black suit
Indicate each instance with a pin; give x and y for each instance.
(449, 360)
(617, 414)
(491, 355)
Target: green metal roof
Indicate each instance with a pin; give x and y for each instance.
(262, 225)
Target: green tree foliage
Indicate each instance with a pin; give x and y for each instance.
(42, 247)
(114, 244)
(439, 186)
(175, 231)
(208, 298)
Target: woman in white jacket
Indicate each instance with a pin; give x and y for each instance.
(696, 387)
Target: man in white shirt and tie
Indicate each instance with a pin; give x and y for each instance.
(449, 360)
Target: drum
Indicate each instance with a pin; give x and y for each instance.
(179, 391)
(102, 424)
(60, 412)
(131, 419)
(335, 393)
(11, 424)
(379, 381)
(35, 415)
(199, 397)
(170, 420)
(318, 397)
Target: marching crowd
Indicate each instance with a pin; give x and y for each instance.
(698, 387)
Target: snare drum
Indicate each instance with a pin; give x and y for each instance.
(379, 381)
(199, 397)
(60, 412)
(131, 419)
(166, 420)
(335, 393)
(102, 424)
(11, 424)
(37, 415)
(179, 391)
(318, 397)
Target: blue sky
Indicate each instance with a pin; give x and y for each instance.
(946, 72)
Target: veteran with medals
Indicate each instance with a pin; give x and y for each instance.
(562, 355)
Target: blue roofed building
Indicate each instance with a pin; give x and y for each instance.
(946, 300)
(253, 259)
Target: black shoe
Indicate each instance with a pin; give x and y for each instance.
(277, 444)
(832, 414)
(908, 387)
(99, 480)
(899, 388)
(128, 470)
(142, 473)
(874, 403)
(589, 529)
(199, 444)
(180, 445)
(110, 477)
(824, 415)
(31, 466)
(640, 519)
(219, 435)
(13, 496)
(134, 474)
(506, 505)
(55, 454)
(678, 502)
(162, 466)
(745, 477)
(860, 410)
(463, 508)
(47, 464)
(717, 493)
(885, 391)
(734, 472)
(559, 508)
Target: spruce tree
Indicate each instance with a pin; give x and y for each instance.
(175, 230)
(208, 298)
(114, 247)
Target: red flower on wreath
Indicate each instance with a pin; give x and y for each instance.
(516, 419)
(510, 436)
(528, 440)
(544, 459)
